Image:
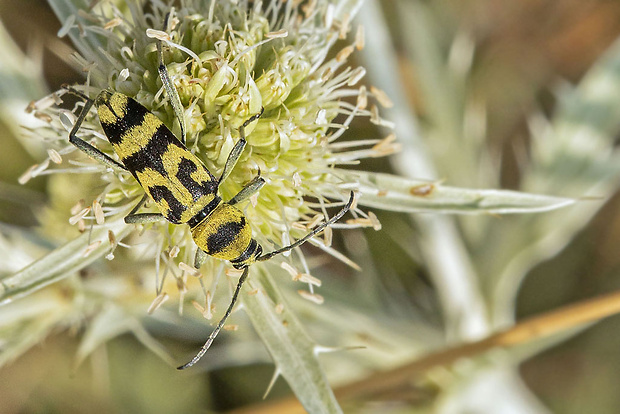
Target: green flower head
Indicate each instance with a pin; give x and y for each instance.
(227, 60)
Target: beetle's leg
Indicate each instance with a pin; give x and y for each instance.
(84, 146)
(237, 150)
(142, 218)
(219, 326)
(171, 91)
(200, 258)
(250, 188)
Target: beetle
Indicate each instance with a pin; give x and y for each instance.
(183, 189)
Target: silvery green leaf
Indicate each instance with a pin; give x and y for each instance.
(286, 340)
(20, 82)
(112, 322)
(394, 193)
(573, 152)
(27, 322)
(61, 262)
(67, 13)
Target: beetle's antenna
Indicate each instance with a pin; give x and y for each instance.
(308, 236)
(219, 326)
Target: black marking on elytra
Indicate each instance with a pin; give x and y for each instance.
(198, 190)
(202, 214)
(224, 236)
(134, 116)
(176, 209)
(152, 155)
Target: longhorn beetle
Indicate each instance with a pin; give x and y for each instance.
(181, 186)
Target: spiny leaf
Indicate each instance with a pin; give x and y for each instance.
(393, 193)
(287, 342)
(61, 262)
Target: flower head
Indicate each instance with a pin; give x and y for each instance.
(227, 61)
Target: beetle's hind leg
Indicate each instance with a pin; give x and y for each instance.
(143, 218)
(200, 258)
(84, 146)
(220, 324)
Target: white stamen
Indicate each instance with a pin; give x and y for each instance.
(312, 297)
(157, 302)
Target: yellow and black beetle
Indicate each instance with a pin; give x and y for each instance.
(183, 189)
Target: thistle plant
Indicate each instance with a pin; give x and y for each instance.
(227, 60)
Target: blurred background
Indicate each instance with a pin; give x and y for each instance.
(485, 87)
